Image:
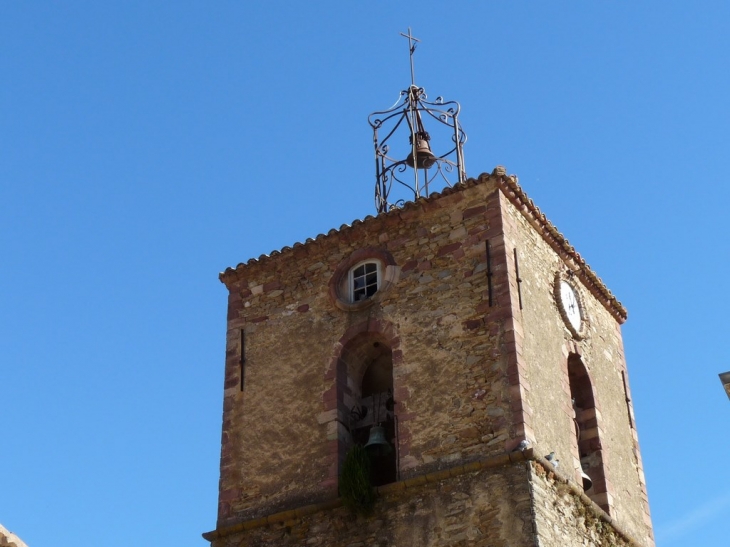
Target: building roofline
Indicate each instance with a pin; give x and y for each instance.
(509, 186)
(559, 243)
(8, 539)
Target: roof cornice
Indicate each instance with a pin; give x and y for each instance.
(576, 264)
(511, 189)
(231, 275)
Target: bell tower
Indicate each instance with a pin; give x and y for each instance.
(448, 372)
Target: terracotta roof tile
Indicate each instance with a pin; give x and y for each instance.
(510, 187)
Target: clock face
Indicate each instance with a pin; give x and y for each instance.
(569, 300)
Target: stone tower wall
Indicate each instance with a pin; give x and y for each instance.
(498, 502)
(480, 362)
(544, 355)
(489, 507)
(283, 433)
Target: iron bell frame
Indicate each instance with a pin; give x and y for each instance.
(413, 107)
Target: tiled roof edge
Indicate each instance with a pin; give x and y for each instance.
(231, 273)
(8, 539)
(513, 191)
(510, 187)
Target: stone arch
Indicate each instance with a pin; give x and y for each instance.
(587, 435)
(361, 371)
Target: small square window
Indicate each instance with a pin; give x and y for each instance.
(364, 281)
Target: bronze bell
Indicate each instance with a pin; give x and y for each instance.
(424, 156)
(377, 442)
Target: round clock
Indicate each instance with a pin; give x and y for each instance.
(570, 305)
(569, 300)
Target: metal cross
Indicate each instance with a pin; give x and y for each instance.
(411, 49)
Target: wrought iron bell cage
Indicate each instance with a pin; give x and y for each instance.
(428, 167)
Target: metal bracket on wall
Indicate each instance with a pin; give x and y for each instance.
(488, 251)
(243, 357)
(519, 279)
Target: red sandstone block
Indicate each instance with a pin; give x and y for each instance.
(483, 307)
(474, 211)
(395, 244)
(229, 495)
(331, 372)
(303, 308)
(236, 324)
(517, 368)
(517, 403)
(499, 313)
(599, 485)
(236, 285)
(272, 286)
(401, 393)
(511, 346)
(330, 395)
(595, 444)
(374, 325)
(513, 379)
(352, 331)
(458, 254)
(259, 319)
(472, 324)
(446, 249)
(494, 232)
(408, 266)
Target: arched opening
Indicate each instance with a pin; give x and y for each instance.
(365, 376)
(587, 437)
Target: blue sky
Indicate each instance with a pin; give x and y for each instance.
(146, 146)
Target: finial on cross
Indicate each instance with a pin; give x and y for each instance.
(411, 48)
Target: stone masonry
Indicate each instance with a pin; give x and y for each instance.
(8, 539)
(481, 360)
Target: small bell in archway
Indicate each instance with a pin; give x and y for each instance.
(377, 443)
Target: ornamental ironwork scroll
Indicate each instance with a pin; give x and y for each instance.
(423, 162)
(429, 168)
